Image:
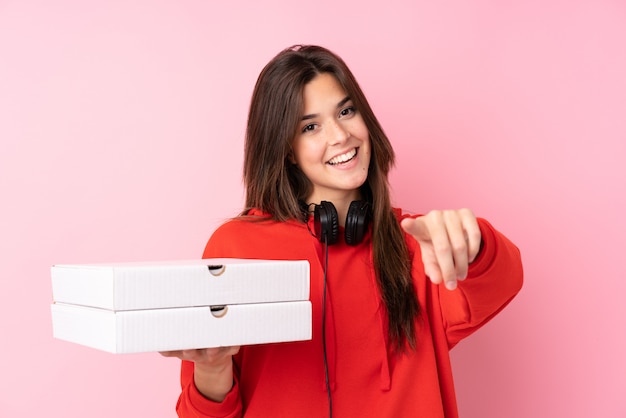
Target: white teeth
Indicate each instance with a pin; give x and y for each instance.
(343, 158)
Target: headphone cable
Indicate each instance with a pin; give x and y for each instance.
(330, 399)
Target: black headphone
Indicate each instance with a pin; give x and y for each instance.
(326, 222)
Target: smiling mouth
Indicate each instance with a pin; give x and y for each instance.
(343, 158)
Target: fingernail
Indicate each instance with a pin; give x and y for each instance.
(451, 285)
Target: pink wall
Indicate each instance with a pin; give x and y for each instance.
(121, 127)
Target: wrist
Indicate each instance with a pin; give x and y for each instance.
(214, 383)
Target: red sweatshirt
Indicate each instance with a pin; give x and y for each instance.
(366, 378)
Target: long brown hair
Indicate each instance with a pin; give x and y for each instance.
(275, 186)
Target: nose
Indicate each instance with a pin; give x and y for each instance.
(338, 133)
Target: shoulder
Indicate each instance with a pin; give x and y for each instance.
(254, 226)
(253, 237)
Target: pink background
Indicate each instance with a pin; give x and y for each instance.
(121, 126)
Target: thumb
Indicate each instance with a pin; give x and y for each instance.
(415, 227)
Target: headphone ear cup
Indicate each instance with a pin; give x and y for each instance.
(357, 221)
(326, 222)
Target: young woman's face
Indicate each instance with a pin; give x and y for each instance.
(332, 146)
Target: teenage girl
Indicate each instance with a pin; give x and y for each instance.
(391, 293)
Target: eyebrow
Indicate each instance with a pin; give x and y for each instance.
(340, 104)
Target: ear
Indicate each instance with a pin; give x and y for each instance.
(291, 158)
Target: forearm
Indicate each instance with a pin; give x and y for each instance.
(493, 280)
(214, 384)
(194, 404)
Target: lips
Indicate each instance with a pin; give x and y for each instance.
(343, 158)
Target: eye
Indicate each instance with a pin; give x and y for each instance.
(308, 128)
(347, 111)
